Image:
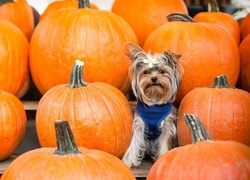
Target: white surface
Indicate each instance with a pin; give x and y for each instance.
(40, 5)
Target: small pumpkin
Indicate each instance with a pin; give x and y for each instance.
(244, 78)
(207, 51)
(245, 28)
(58, 5)
(203, 159)
(66, 162)
(19, 13)
(14, 74)
(12, 124)
(145, 16)
(98, 36)
(223, 19)
(224, 111)
(97, 110)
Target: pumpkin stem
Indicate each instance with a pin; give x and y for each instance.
(179, 17)
(221, 82)
(213, 6)
(76, 76)
(3, 2)
(64, 139)
(197, 130)
(83, 4)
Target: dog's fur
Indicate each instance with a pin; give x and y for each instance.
(154, 81)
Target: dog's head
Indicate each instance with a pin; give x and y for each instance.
(154, 79)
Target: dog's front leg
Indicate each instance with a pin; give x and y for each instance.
(167, 139)
(136, 151)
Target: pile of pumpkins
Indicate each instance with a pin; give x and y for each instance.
(75, 55)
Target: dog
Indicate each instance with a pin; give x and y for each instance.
(154, 82)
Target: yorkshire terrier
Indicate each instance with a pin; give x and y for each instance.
(154, 81)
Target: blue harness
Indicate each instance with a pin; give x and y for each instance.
(152, 117)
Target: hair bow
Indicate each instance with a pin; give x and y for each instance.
(150, 61)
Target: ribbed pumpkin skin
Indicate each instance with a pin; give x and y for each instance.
(144, 16)
(20, 14)
(97, 37)
(224, 112)
(12, 123)
(58, 5)
(245, 28)
(14, 74)
(204, 160)
(244, 78)
(99, 115)
(222, 19)
(207, 51)
(42, 163)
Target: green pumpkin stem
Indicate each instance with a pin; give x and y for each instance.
(3, 2)
(179, 17)
(213, 6)
(76, 76)
(197, 130)
(64, 139)
(83, 4)
(221, 82)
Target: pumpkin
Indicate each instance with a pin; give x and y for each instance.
(67, 161)
(19, 13)
(146, 16)
(97, 110)
(14, 74)
(12, 123)
(58, 5)
(244, 78)
(203, 159)
(97, 36)
(207, 51)
(224, 20)
(245, 28)
(224, 111)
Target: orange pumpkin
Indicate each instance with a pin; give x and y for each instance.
(99, 114)
(67, 161)
(244, 78)
(207, 51)
(204, 159)
(224, 111)
(12, 123)
(245, 28)
(14, 74)
(58, 5)
(224, 20)
(19, 13)
(146, 16)
(97, 36)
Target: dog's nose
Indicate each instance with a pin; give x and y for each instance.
(154, 79)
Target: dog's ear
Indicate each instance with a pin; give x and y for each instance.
(172, 55)
(133, 50)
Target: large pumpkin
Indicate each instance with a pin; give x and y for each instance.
(224, 111)
(244, 78)
(14, 74)
(245, 28)
(99, 114)
(19, 13)
(12, 124)
(58, 5)
(144, 16)
(67, 162)
(223, 19)
(97, 36)
(204, 159)
(207, 51)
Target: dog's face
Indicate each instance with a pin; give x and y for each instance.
(154, 79)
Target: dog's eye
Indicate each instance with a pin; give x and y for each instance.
(146, 72)
(161, 72)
